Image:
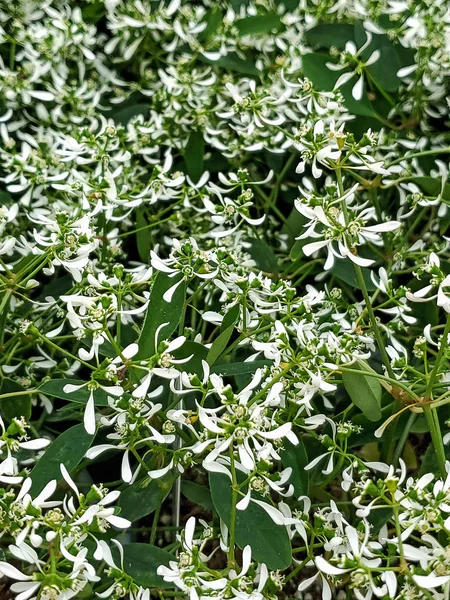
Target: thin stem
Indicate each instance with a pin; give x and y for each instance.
(437, 362)
(234, 493)
(418, 154)
(404, 436)
(362, 285)
(155, 524)
(436, 437)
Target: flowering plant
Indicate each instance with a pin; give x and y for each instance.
(224, 299)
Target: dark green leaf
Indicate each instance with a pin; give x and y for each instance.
(55, 387)
(259, 24)
(269, 542)
(14, 406)
(314, 67)
(227, 328)
(194, 365)
(198, 494)
(432, 187)
(292, 227)
(345, 270)
(213, 18)
(67, 449)
(327, 35)
(143, 497)
(263, 255)
(296, 458)
(240, 368)
(233, 62)
(141, 562)
(365, 393)
(93, 12)
(193, 155)
(124, 115)
(231, 317)
(159, 311)
(378, 518)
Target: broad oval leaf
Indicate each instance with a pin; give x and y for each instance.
(194, 155)
(141, 562)
(143, 497)
(67, 449)
(365, 393)
(159, 311)
(259, 24)
(14, 406)
(221, 341)
(345, 271)
(240, 368)
(198, 494)
(269, 542)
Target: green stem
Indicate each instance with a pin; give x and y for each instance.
(418, 154)
(234, 492)
(20, 393)
(404, 436)
(436, 437)
(430, 412)
(155, 524)
(362, 285)
(62, 350)
(437, 362)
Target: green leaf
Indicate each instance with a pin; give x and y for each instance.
(194, 365)
(198, 494)
(143, 237)
(194, 154)
(15, 406)
(314, 67)
(159, 311)
(429, 461)
(124, 115)
(263, 255)
(296, 458)
(141, 562)
(345, 270)
(240, 368)
(259, 24)
(432, 187)
(143, 497)
(231, 317)
(227, 328)
(93, 12)
(233, 62)
(55, 387)
(292, 227)
(269, 542)
(327, 35)
(213, 18)
(365, 393)
(67, 449)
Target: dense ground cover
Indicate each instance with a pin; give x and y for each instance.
(224, 299)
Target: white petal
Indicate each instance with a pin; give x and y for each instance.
(89, 415)
(431, 581)
(357, 90)
(328, 569)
